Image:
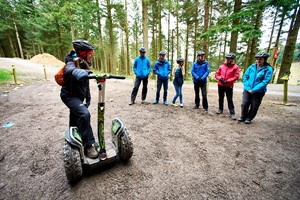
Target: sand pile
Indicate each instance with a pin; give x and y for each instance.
(47, 58)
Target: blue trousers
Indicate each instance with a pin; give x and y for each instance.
(178, 90)
(159, 84)
(81, 118)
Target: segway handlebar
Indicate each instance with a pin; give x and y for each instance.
(105, 76)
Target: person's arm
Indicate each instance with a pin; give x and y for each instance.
(155, 69)
(206, 72)
(218, 73)
(246, 77)
(174, 70)
(149, 66)
(88, 96)
(236, 74)
(169, 68)
(193, 72)
(134, 67)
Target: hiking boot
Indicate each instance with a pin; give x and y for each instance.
(91, 152)
(131, 103)
(143, 101)
(166, 103)
(181, 105)
(241, 119)
(155, 102)
(248, 121)
(233, 117)
(173, 104)
(196, 107)
(219, 111)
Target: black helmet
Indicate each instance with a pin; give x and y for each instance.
(142, 50)
(162, 53)
(230, 55)
(262, 55)
(82, 45)
(200, 53)
(179, 60)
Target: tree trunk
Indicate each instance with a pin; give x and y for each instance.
(195, 29)
(273, 27)
(205, 27)
(186, 48)
(19, 42)
(111, 37)
(127, 71)
(177, 30)
(235, 22)
(11, 45)
(290, 46)
(159, 27)
(102, 63)
(145, 24)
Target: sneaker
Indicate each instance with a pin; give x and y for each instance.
(241, 119)
(173, 104)
(219, 111)
(103, 156)
(131, 103)
(166, 103)
(205, 110)
(155, 102)
(196, 107)
(248, 121)
(91, 152)
(181, 105)
(233, 117)
(143, 101)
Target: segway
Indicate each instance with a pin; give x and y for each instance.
(120, 146)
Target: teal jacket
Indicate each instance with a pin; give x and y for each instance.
(141, 67)
(257, 79)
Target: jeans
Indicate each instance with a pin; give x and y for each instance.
(222, 90)
(178, 90)
(159, 84)
(81, 118)
(197, 87)
(136, 88)
(251, 101)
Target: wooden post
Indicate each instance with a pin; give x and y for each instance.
(45, 73)
(14, 74)
(285, 88)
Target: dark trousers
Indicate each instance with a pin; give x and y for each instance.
(222, 90)
(136, 88)
(81, 118)
(251, 101)
(197, 87)
(159, 84)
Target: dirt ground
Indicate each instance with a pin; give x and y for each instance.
(179, 153)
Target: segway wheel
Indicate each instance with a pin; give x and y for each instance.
(72, 162)
(126, 147)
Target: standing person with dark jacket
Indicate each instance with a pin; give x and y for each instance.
(141, 68)
(178, 73)
(226, 75)
(162, 69)
(255, 80)
(200, 71)
(75, 93)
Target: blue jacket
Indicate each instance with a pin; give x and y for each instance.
(142, 67)
(162, 69)
(257, 79)
(178, 77)
(200, 70)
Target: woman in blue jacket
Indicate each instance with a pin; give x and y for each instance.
(178, 73)
(255, 80)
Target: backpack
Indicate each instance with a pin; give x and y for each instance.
(59, 76)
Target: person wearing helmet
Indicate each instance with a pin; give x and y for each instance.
(141, 68)
(178, 73)
(75, 93)
(255, 80)
(162, 69)
(200, 71)
(226, 75)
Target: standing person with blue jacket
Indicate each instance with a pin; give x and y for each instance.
(162, 69)
(255, 80)
(178, 73)
(200, 71)
(141, 68)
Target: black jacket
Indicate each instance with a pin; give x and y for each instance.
(72, 87)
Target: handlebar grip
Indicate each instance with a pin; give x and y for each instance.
(116, 77)
(91, 76)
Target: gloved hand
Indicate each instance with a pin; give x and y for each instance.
(80, 74)
(223, 81)
(200, 80)
(87, 104)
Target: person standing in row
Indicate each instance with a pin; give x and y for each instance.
(200, 71)
(141, 68)
(226, 75)
(162, 69)
(178, 73)
(255, 80)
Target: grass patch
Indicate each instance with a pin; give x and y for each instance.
(5, 75)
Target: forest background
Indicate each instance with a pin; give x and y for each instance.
(118, 28)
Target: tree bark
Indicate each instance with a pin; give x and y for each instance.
(235, 22)
(127, 71)
(205, 27)
(145, 24)
(111, 37)
(289, 47)
(18, 39)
